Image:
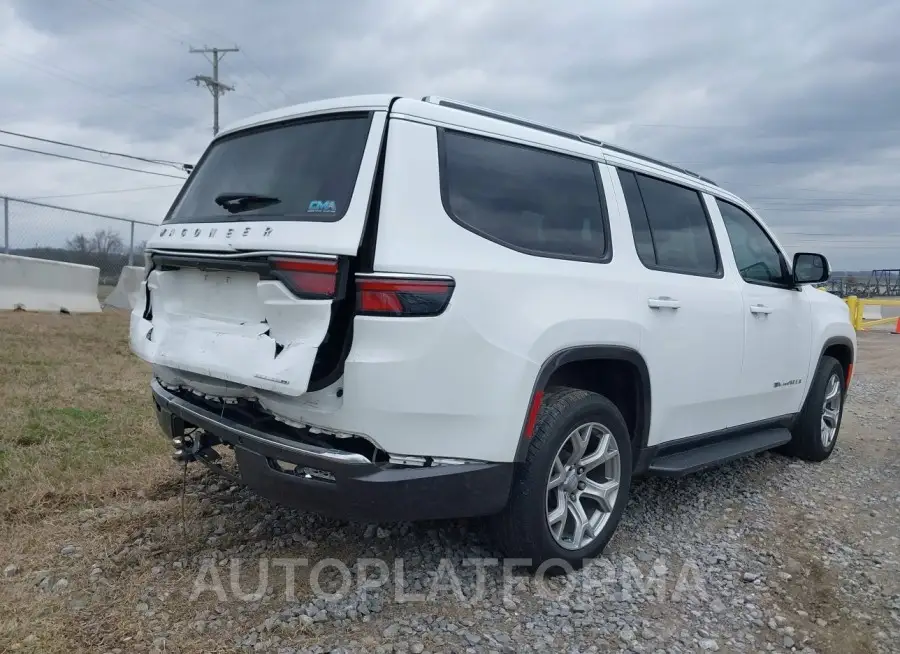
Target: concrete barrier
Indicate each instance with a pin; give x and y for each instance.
(872, 312)
(41, 285)
(890, 312)
(124, 295)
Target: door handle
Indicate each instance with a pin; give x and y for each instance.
(663, 302)
(760, 308)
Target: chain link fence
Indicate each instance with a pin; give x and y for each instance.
(47, 231)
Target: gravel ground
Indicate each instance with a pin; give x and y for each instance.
(764, 555)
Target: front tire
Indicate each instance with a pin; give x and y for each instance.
(816, 431)
(569, 493)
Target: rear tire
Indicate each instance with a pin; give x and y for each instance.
(816, 431)
(579, 456)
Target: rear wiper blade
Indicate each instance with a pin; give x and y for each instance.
(237, 202)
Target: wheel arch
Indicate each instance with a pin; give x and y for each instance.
(841, 348)
(566, 359)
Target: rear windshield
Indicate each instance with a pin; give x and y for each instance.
(309, 167)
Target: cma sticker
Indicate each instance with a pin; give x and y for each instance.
(320, 206)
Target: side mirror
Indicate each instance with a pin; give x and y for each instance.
(810, 268)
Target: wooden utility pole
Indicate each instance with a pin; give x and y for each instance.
(216, 88)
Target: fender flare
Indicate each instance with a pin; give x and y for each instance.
(814, 365)
(838, 340)
(593, 353)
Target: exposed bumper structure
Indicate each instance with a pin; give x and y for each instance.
(339, 483)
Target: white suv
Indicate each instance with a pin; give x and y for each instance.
(401, 309)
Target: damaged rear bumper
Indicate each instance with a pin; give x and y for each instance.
(339, 483)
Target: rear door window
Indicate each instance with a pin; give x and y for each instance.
(672, 231)
(525, 198)
(301, 171)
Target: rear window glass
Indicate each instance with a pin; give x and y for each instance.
(528, 199)
(309, 167)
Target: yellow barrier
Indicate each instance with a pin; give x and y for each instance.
(856, 305)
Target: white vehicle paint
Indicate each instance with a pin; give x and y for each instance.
(433, 382)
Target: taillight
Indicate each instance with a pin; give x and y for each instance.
(308, 278)
(402, 296)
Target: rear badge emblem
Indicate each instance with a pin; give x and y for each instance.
(273, 379)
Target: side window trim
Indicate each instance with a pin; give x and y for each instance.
(785, 267)
(604, 257)
(638, 218)
(719, 273)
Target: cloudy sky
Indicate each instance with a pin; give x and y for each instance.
(793, 105)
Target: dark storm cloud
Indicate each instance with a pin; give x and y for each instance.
(789, 104)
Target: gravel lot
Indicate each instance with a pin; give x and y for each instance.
(768, 554)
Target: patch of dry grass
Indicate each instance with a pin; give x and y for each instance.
(83, 464)
(78, 433)
(78, 423)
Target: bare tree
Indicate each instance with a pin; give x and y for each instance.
(105, 243)
(104, 249)
(79, 243)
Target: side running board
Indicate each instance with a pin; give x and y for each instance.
(708, 455)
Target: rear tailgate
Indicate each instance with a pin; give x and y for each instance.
(253, 262)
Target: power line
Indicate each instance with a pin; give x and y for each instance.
(143, 20)
(862, 197)
(724, 162)
(164, 162)
(772, 186)
(734, 128)
(224, 37)
(842, 234)
(59, 73)
(269, 77)
(160, 30)
(90, 193)
(841, 246)
(844, 210)
(88, 161)
(841, 243)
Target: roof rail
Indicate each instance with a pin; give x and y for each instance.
(515, 120)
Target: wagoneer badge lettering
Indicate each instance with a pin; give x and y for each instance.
(199, 232)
